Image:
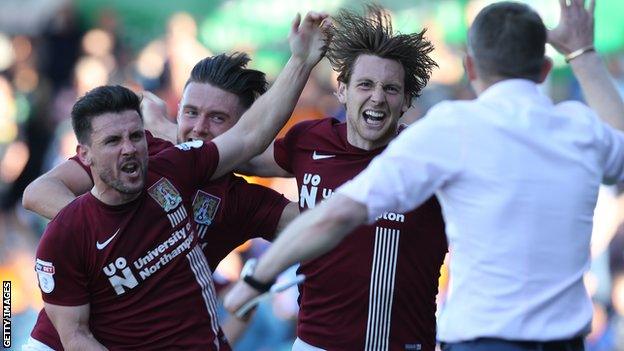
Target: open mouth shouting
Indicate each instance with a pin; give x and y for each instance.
(374, 118)
(131, 168)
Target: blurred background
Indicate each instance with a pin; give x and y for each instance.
(53, 51)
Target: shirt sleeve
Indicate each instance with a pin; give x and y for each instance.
(414, 166)
(258, 208)
(194, 162)
(155, 145)
(87, 169)
(60, 266)
(283, 147)
(613, 146)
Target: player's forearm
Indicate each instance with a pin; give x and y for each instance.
(47, 197)
(164, 130)
(261, 123)
(234, 328)
(310, 235)
(80, 340)
(599, 90)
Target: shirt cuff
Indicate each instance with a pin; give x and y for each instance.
(356, 193)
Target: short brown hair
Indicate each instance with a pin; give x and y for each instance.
(354, 35)
(508, 40)
(101, 100)
(230, 73)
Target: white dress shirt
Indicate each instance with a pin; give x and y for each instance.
(517, 178)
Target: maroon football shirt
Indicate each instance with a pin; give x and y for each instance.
(237, 212)
(138, 265)
(377, 289)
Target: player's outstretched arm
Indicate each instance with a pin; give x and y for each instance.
(52, 191)
(574, 35)
(72, 325)
(260, 124)
(310, 235)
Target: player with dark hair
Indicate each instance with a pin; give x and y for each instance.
(228, 210)
(161, 274)
(370, 293)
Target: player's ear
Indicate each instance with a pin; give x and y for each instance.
(407, 102)
(470, 67)
(547, 65)
(84, 154)
(341, 94)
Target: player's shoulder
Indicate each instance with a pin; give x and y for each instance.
(156, 145)
(73, 216)
(223, 183)
(315, 126)
(581, 117)
(581, 112)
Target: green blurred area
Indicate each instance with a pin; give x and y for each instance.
(261, 26)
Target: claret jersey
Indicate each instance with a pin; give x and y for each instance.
(377, 289)
(228, 212)
(138, 265)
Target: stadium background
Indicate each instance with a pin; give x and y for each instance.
(52, 51)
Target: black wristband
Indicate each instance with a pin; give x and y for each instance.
(247, 276)
(258, 285)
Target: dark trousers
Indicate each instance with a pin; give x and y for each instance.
(491, 344)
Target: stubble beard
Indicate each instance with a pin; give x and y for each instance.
(107, 177)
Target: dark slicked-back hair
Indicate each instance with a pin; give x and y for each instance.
(354, 35)
(101, 100)
(229, 73)
(507, 40)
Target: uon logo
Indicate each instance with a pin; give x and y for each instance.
(128, 279)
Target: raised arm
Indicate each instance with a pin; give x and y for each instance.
(574, 38)
(52, 191)
(260, 124)
(154, 111)
(72, 325)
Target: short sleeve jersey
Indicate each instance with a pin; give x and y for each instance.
(138, 265)
(377, 289)
(228, 211)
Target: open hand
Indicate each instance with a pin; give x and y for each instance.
(309, 39)
(576, 26)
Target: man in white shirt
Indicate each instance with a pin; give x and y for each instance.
(517, 177)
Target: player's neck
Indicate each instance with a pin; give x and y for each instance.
(354, 139)
(109, 195)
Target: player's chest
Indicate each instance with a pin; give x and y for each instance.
(319, 175)
(146, 241)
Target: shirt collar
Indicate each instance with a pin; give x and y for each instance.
(508, 87)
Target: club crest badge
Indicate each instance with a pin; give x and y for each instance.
(205, 207)
(165, 194)
(45, 272)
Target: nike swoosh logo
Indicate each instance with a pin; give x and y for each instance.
(103, 245)
(316, 156)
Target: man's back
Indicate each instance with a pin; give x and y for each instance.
(517, 178)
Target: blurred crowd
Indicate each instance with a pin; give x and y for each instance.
(44, 69)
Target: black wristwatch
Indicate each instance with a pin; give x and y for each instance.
(247, 276)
